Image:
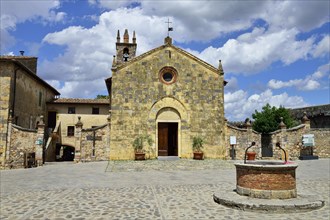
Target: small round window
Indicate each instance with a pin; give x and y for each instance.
(168, 75)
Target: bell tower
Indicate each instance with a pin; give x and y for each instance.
(125, 50)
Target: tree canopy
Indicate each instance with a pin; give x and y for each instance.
(269, 118)
(102, 97)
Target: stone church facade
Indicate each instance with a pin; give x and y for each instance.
(166, 93)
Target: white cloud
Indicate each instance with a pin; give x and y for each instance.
(322, 48)
(56, 17)
(303, 15)
(115, 4)
(238, 105)
(14, 12)
(310, 82)
(206, 20)
(11, 53)
(54, 83)
(89, 51)
(33, 9)
(71, 89)
(255, 51)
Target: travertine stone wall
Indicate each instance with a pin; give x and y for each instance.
(27, 112)
(291, 141)
(31, 96)
(244, 138)
(322, 141)
(21, 141)
(101, 148)
(138, 96)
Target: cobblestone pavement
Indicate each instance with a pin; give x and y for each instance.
(152, 189)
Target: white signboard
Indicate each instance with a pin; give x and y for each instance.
(232, 140)
(308, 140)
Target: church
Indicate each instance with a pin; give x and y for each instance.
(168, 94)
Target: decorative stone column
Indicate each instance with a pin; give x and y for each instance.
(40, 141)
(78, 129)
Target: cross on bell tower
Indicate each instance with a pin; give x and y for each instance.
(125, 50)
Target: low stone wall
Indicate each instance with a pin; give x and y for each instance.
(22, 141)
(95, 144)
(244, 138)
(291, 141)
(322, 142)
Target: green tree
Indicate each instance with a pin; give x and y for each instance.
(269, 118)
(102, 97)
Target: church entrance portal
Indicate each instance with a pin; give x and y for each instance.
(167, 139)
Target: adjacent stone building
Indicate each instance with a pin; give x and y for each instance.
(318, 115)
(93, 113)
(166, 93)
(23, 96)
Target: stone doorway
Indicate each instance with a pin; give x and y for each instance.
(167, 139)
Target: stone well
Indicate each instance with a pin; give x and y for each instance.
(266, 179)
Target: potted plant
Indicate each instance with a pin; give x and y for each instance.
(251, 155)
(197, 148)
(138, 145)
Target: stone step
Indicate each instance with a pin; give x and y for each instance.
(168, 158)
(59, 163)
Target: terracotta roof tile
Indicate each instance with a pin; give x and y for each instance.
(81, 101)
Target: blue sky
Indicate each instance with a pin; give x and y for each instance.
(273, 52)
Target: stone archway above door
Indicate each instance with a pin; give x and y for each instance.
(168, 103)
(168, 114)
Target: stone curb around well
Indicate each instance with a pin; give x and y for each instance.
(303, 203)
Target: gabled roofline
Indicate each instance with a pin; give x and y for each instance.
(135, 59)
(30, 73)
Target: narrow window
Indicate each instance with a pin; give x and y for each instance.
(40, 98)
(70, 131)
(95, 111)
(71, 110)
